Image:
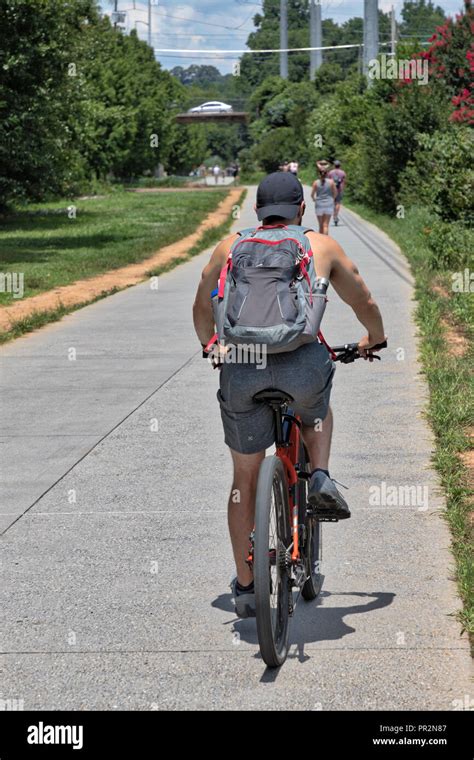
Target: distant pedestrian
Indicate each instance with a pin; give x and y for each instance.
(339, 177)
(216, 172)
(323, 192)
(293, 167)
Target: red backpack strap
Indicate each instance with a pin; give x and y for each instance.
(305, 274)
(213, 340)
(325, 343)
(310, 250)
(228, 265)
(223, 276)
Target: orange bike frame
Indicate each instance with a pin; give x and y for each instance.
(289, 456)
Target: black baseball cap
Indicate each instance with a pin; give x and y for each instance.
(279, 194)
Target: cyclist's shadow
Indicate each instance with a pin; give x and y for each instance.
(312, 621)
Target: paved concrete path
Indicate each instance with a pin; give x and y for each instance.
(116, 558)
(211, 181)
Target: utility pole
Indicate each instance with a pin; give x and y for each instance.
(393, 31)
(283, 39)
(149, 22)
(316, 37)
(371, 33)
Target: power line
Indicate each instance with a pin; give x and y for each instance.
(205, 23)
(203, 55)
(253, 52)
(197, 34)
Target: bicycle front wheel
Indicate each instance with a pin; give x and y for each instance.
(271, 576)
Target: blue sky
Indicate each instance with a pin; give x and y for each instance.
(222, 24)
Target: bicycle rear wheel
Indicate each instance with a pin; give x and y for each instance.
(312, 548)
(271, 577)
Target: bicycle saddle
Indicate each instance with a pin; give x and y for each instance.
(273, 396)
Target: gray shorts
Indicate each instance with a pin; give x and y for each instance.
(324, 208)
(306, 374)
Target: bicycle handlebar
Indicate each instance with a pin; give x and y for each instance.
(350, 352)
(346, 354)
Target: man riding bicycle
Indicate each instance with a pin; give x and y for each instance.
(305, 373)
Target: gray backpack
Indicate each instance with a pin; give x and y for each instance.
(266, 291)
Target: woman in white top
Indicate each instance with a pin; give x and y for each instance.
(324, 192)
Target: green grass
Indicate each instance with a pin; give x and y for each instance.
(210, 237)
(172, 181)
(122, 228)
(251, 178)
(39, 319)
(307, 175)
(451, 403)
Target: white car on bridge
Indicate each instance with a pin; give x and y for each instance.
(212, 106)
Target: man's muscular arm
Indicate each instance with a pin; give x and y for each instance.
(332, 262)
(202, 310)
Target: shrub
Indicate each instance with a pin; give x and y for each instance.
(442, 173)
(451, 245)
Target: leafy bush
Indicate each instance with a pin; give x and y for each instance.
(451, 245)
(441, 174)
(248, 163)
(451, 60)
(327, 76)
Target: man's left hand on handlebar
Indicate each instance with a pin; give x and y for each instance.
(366, 345)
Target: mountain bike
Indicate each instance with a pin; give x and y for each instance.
(285, 547)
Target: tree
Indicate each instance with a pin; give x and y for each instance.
(281, 104)
(277, 146)
(225, 140)
(38, 91)
(255, 68)
(450, 60)
(78, 99)
(327, 76)
(188, 148)
(420, 17)
(266, 91)
(200, 75)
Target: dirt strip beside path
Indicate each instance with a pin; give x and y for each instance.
(86, 290)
